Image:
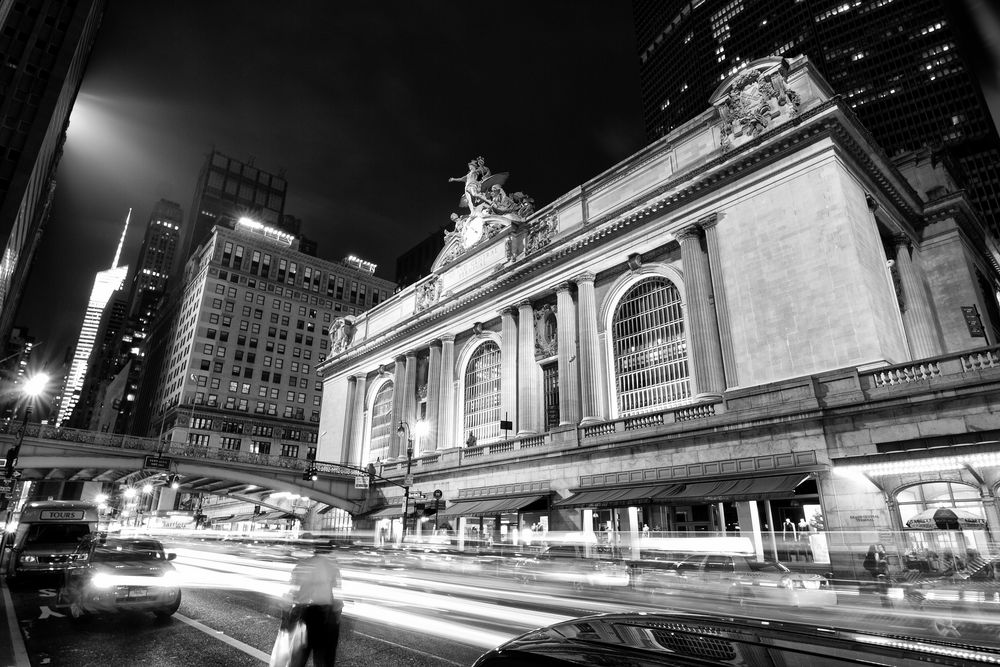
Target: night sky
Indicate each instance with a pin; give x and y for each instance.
(368, 111)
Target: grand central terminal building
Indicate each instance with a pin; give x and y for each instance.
(760, 323)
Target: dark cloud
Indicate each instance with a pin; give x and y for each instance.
(368, 109)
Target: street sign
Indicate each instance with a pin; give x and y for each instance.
(408, 480)
(156, 462)
(437, 494)
(7, 485)
(360, 482)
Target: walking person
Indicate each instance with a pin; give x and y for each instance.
(877, 564)
(315, 582)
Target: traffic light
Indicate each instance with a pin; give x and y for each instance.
(174, 481)
(311, 474)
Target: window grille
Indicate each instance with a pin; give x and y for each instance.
(482, 393)
(382, 432)
(550, 387)
(650, 347)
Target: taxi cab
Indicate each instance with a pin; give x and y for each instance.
(112, 574)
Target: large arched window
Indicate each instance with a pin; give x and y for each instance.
(935, 536)
(921, 497)
(382, 431)
(482, 393)
(650, 348)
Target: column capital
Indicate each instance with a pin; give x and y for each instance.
(435, 343)
(710, 220)
(447, 338)
(584, 278)
(564, 286)
(508, 310)
(352, 379)
(870, 201)
(900, 240)
(400, 358)
(688, 233)
(360, 376)
(410, 353)
(524, 303)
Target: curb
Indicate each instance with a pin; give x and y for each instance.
(13, 652)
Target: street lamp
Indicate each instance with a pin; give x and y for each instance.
(32, 389)
(403, 430)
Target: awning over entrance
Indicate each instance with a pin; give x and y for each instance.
(391, 512)
(489, 507)
(755, 488)
(619, 496)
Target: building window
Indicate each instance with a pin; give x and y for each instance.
(928, 546)
(482, 393)
(650, 348)
(550, 388)
(382, 428)
(291, 451)
(260, 447)
(198, 439)
(228, 442)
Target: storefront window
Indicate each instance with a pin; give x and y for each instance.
(936, 539)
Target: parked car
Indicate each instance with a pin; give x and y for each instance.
(113, 574)
(739, 578)
(576, 565)
(680, 639)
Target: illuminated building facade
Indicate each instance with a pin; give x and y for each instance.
(901, 65)
(694, 340)
(43, 51)
(252, 323)
(106, 284)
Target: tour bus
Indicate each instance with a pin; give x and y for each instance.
(48, 533)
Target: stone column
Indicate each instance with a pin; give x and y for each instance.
(446, 394)
(410, 398)
(721, 305)
(433, 395)
(703, 332)
(346, 448)
(917, 314)
(398, 391)
(508, 367)
(591, 365)
(528, 391)
(358, 420)
(569, 369)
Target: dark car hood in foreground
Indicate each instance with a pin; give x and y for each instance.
(655, 640)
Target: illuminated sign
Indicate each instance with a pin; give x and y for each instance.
(61, 515)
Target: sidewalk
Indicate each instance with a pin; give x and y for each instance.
(12, 651)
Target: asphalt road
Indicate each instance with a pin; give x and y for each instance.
(415, 614)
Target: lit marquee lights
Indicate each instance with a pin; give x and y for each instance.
(957, 462)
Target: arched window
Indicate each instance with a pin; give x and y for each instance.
(482, 393)
(921, 497)
(936, 535)
(650, 348)
(382, 431)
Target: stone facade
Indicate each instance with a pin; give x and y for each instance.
(808, 314)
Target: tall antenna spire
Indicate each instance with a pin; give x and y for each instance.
(118, 252)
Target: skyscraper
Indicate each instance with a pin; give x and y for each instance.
(44, 48)
(227, 190)
(106, 283)
(251, 326)
(904, 67)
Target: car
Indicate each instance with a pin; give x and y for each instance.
(681, 639)
(740, 578)
(112, 574)
(576, 565)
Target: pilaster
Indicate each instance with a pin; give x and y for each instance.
(917, 313)
(591, 369)
(433, 395)
(709, 224)
(446, 396)
(528, 391)
(508, 366)
(398, 392)
(358, 415)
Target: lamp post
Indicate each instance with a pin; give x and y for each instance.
(404, 431)
(32, 389)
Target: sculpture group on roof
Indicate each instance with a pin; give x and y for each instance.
(484, 194)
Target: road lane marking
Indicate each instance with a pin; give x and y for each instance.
(223, 637)
(20, 652)
(409, 648)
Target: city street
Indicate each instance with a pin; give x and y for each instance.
(427, 615)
